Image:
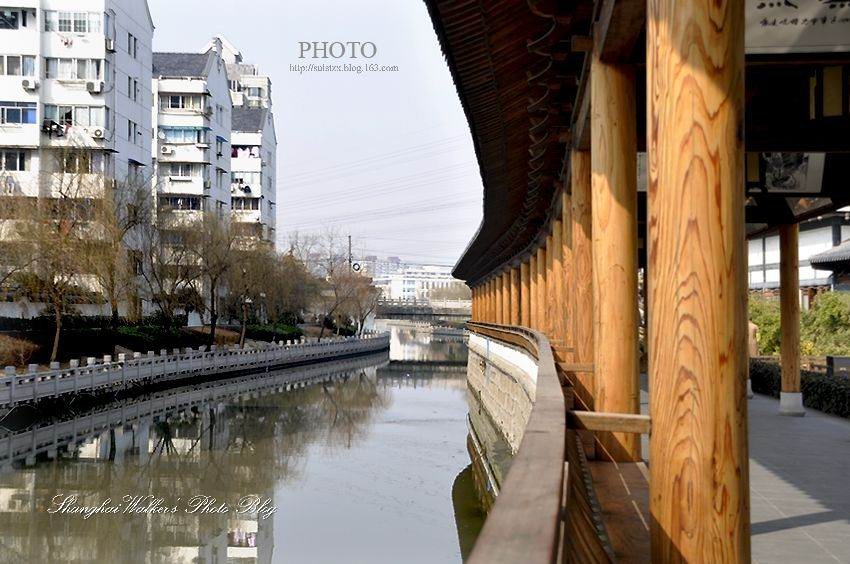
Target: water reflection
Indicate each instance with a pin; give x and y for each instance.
(355, 462)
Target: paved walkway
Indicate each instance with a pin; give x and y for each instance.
(799, 484)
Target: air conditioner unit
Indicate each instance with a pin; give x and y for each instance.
(29, 83)
(98, 133)
(94, 87)
(166, 150)
(110, 44)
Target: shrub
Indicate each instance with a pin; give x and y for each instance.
(826, 326)
(15, 352)
(272, 332)
(829, 394)
(764, 312)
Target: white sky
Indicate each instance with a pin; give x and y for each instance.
(385, 157)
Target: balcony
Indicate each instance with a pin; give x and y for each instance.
(198, 185)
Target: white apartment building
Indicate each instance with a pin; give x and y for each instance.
(416, 281)
(192, 148)
(254, 146)
(75, 75)
(253, 180)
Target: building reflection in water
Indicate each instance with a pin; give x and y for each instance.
(229, 439)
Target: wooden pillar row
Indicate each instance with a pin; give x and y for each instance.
(506, 297)
(699, 475)
(790, 397)
(556, 288)
(613, 141)
(581, 292)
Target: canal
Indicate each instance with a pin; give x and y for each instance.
(364, 460)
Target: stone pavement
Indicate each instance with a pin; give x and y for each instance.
(799, 484)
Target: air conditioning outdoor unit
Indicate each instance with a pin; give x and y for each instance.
(110, 44)
(166, 150)
(98, 133)
(94, 87)
(29, 83)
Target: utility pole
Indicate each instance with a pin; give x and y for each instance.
(350, 258)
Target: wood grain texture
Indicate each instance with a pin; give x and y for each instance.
(559, 320)
(567, 284)
(525, 295)
(789, 298)
(541, 290)
(533, 291)
(581, 292)
(699, 483)
(515, 289)
(500, 296)
(614, 184)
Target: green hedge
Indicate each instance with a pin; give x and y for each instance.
(830, 394)
(272, 332)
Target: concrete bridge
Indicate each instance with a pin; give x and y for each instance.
(450, 310)
(623, 147)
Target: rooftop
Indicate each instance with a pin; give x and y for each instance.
(180, 64)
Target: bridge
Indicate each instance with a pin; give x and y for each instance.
(453, 311)
(627, 150)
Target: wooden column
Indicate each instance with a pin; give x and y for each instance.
(699, 474)
(532, 309)
(506, 297)
(474, 303)
(566, 277)
(614, 184)
(500, 299)
(541, 290)
(556, 286)
(790, 398)
(490, 317)
(550, 311)
(581, 293)
(525, 294)
(515, 289)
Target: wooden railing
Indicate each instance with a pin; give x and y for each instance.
(527, 522)
(32, 386)
(548, 510)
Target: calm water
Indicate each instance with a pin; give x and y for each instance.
(366, 463)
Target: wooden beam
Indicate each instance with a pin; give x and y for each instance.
(609, 422)
(699, 478)
(582, 253)
(525, 295)
(614, 183)
(791, 400)
(575, 367)
(515, 289)
(618, 29)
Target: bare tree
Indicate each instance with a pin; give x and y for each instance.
(338, 281)
(249, 282)
(363, 301)
(213, 246)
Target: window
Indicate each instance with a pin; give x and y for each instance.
(17, 65)
(219, 146)
(13, 160)
(180, 102)
(79, 162)
(245, 203)
(9, 19)
(245, 151)
(180, 203)
(17, 112)
(133, 45)
(184, 170)
(132, 88)
(132, 131)
(76, 22)
(255, 92)
(73, 69)
(84, 116)
(246, 179)
(184, 135)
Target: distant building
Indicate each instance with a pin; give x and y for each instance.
(816, 236)
(416, 282)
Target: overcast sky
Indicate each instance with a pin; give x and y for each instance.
(385, 157)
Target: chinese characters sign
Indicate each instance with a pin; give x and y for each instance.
(798, 26)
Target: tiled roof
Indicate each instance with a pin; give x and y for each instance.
(248, 119)
(840, 253)
(180, 64)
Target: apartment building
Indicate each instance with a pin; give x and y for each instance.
(254, 147)
(192, 148)
(75, 102)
